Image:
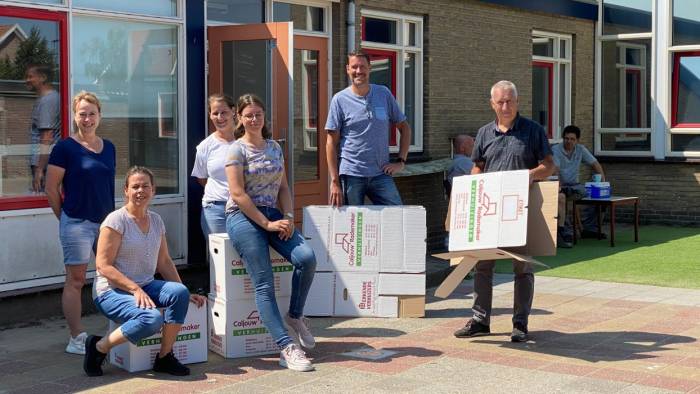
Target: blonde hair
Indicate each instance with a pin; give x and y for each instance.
(89, 97)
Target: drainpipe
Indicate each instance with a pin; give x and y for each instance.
(351, 26)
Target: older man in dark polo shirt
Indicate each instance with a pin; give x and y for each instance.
(511, 142)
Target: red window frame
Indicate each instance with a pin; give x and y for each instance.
(550, 94)
(27, 202)
(391, 56)
(674, 106)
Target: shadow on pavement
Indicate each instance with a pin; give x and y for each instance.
(597, 346)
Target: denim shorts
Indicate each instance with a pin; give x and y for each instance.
(78, 239)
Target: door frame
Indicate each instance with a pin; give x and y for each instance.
(320, 44)
(282, 73)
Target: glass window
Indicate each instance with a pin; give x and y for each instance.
(626, 82)
(410, 91)
(636, 142)
(626, 16)
(399, 68)
(685, 142)
(543, 46)
(133, 69)
(542, 79)
(379, 30)
(31, 108)
(686, 22)
(306, 125)
(149, 7)
(412, 34)
(686, 100)
(236, 11)
(551, 70)
(304, 17)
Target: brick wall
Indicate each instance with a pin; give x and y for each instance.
(468, 46)
(668, 192)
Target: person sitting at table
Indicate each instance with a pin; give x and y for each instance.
(130, 249)
(568, 157)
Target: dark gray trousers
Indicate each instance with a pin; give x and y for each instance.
(483, 291)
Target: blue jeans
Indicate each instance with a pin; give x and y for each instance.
(380, 189)
(213, 218)
(138, 323)
(78, 239)
(251, 242)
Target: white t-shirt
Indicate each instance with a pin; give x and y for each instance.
(138, 253)
(209, 164)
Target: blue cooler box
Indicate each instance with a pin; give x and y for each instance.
(598, 189)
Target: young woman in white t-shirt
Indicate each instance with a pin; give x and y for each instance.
(209, 164)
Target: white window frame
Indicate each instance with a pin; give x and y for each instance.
(620, 39)
(402, 48)
(622, 48)
(559, 61)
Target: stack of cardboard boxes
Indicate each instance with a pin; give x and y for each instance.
(370, 260)
(235, 327)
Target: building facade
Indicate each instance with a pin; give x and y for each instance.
(625, 71)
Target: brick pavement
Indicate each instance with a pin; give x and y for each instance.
(588, 337)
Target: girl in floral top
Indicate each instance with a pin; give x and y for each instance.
(259, 214)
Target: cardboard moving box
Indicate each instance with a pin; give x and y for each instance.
(229, 279)
(367, 238)
(516, 239)
(190, 345)
(366, 294)
(236, 329)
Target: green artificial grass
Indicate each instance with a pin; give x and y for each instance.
(664, 256)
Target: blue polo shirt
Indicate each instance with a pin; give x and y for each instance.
(522, 147)
(364, 123)
(88, 182)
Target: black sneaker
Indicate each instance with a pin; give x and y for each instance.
(472, 329)
(170, 364)
(93, 360)
(519, 333)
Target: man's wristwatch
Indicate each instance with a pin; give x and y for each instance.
(400, 160)
(289, 215)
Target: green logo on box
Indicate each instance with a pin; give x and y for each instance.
(180, 338)
(358, 241)
(249, 331)
(275, 269)
(472, 212)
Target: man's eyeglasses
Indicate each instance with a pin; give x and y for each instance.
(369, 109)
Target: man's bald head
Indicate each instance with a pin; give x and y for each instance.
(463, 144)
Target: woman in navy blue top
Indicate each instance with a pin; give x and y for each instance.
(83, 166)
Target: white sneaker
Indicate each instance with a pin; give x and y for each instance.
(76, 345)
(300, 329)
(294, 358)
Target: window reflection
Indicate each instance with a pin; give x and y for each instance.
(626, 81)
(686, 22)
(627, 16)
(236, 11)
(133, 69)
(688, 90)
(30, 107)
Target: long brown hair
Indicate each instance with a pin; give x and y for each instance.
(243, 102)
